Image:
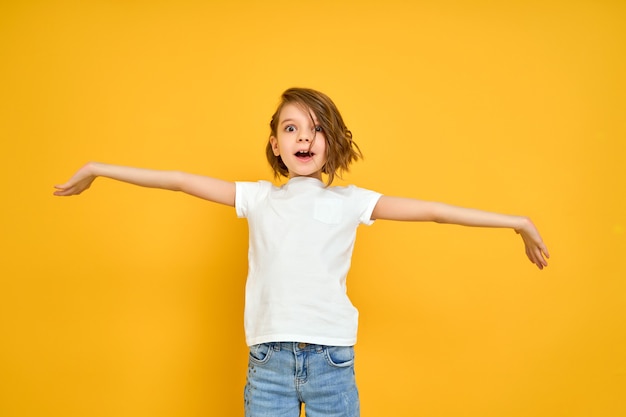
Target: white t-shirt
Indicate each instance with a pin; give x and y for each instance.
(301, 240)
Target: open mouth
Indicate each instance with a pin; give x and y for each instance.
(304, 154)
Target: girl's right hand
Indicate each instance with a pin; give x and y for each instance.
(536, 250)
(78, 183)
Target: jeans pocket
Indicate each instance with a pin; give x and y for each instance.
(340, 356)
(260, 353)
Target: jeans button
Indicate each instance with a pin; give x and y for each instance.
(301, 345)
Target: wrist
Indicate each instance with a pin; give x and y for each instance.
(522, 224)
(94, 168)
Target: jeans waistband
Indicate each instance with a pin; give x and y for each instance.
(296, 346)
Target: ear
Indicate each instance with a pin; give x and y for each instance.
(274, 143)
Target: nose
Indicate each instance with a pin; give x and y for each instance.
(304, 137)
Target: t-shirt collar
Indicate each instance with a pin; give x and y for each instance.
(305, 180)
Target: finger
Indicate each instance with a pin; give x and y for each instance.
(64, 191)
(63, 187)
(61, 193)
(537, 262)
(540, 259)
(534, 255)
(529, 255)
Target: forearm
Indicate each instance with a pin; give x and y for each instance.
(447, 214)
(168, 180)
(208, 188)
(407, 209)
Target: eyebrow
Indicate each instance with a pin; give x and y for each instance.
(316, 123)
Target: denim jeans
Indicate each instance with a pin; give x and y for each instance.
(283, 376)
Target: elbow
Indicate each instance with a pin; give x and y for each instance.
(176, 181)
(435, 212)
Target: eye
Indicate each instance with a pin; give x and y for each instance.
(319, 128)
(290, 128)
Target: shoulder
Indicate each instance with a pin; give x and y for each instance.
(360, 201)
(352, 191)
(253, 186)
(357, 199)
(249, 193)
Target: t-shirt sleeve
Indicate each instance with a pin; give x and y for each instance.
(247, 194)
(367, 201)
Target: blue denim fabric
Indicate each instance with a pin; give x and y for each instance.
(282, 376)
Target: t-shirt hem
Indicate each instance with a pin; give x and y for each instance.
(314, 340)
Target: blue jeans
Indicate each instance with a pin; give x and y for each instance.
(282, 376)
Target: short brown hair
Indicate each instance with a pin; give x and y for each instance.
(341, 150)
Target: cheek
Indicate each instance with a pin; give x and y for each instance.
(324, 145)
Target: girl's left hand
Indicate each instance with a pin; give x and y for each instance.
(536, 250)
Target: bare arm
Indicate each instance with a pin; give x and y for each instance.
(407, 209)
(207, 188)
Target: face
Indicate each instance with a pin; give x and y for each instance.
(300, 142)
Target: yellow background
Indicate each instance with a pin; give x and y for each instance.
(128, 301)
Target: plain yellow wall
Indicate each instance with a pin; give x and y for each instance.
(128, 302)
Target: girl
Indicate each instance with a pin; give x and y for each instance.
(299, 323)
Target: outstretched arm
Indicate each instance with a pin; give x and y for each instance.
(407, 209)
(208, 188)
